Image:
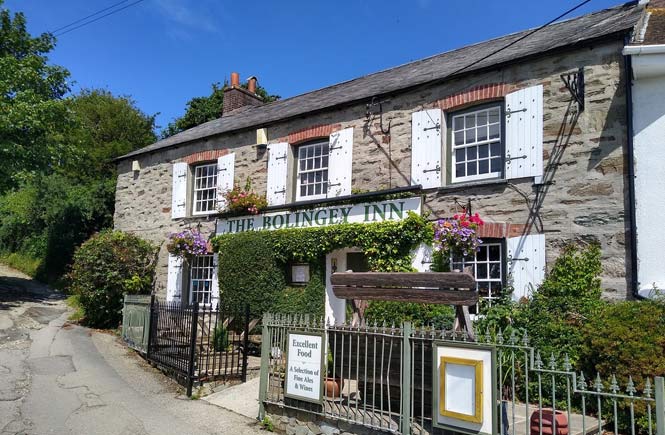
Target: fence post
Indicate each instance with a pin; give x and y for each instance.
(245, 345)
(150, 323)
(265, 363)
(406, 378)
(192, 349)
(660, 405)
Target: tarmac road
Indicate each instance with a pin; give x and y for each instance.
(58, 378)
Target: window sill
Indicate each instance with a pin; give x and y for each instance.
(472, 184)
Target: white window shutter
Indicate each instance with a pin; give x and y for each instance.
(524, 133)
(174, 279)
(340, 163)
(225, 173)
(427, 131)
(214, 297)
(526, 263)
(179, 191)
(277, 173)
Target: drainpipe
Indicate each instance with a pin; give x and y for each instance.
(628, 71)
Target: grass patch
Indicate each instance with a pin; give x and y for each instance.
(25, 263)
(74, 303)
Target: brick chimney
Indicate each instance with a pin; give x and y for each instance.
(236, 97)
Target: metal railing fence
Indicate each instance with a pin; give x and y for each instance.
(195, 342)
(386, 378)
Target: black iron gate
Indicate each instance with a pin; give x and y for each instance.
(198, 342)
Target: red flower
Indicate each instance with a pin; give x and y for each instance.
(465, 223)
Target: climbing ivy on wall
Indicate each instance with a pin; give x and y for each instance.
(253, 264)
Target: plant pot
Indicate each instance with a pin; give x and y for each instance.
(547, 422)
(332, 387)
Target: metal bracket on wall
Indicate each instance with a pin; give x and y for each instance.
(574, 82)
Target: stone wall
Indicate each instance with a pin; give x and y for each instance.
(584, 160)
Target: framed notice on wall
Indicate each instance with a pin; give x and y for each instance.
(304, 364)
(464, 389)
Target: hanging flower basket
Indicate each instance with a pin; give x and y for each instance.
(458, 236)
(187, 243)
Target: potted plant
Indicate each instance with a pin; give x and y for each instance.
(242, 201)
(332, 386)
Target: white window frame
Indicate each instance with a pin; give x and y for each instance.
(211, 187)
(453, 147)
(323, 169)
(201, 272)
(461, 263)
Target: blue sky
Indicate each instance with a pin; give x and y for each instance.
(164, 52)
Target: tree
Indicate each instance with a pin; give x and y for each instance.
(106, 126)
(204, 109)
(32, 111)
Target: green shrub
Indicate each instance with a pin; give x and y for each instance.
(106, 267)
(394, 313)
(220, 339)
(238, 255)
(304, 299)
(568, 298)
(626, 339)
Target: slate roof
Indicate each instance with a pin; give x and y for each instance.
(439, 67)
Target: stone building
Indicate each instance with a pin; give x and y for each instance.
(530, 130)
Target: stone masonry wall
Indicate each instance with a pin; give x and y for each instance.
(584, 159)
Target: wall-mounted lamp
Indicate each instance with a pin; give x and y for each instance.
(136, 166)
(261, 142)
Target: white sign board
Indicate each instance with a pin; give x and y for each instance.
(382, 211)
(464, 388)
(304, 363)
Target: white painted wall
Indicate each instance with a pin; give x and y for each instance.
(649, 153)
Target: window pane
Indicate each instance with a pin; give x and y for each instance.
(310, 152)
(469, 121)
(302, 153)
(495, 131)
(459, 155)
(483, 166)
(470, 135)
(482, 133)
(471, 168)
(494, 115)
(458, 123)
(495, 271)
(481, 271)
(310, 177)
(317, 163)
(317, 189)
(482, 118)
(325, 161)
(317, 151)
(482, 254)
(459, 137)
(310, 189)
(495, 252)
(496, 165)
(325, 175)
(459, 170)
(303, 190)
(302, 165)
(495, 149)
(471, 153)
(483, 151)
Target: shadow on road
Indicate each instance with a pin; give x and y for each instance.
(15, 290)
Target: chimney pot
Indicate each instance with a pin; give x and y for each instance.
(251, 84)
(235, 80)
